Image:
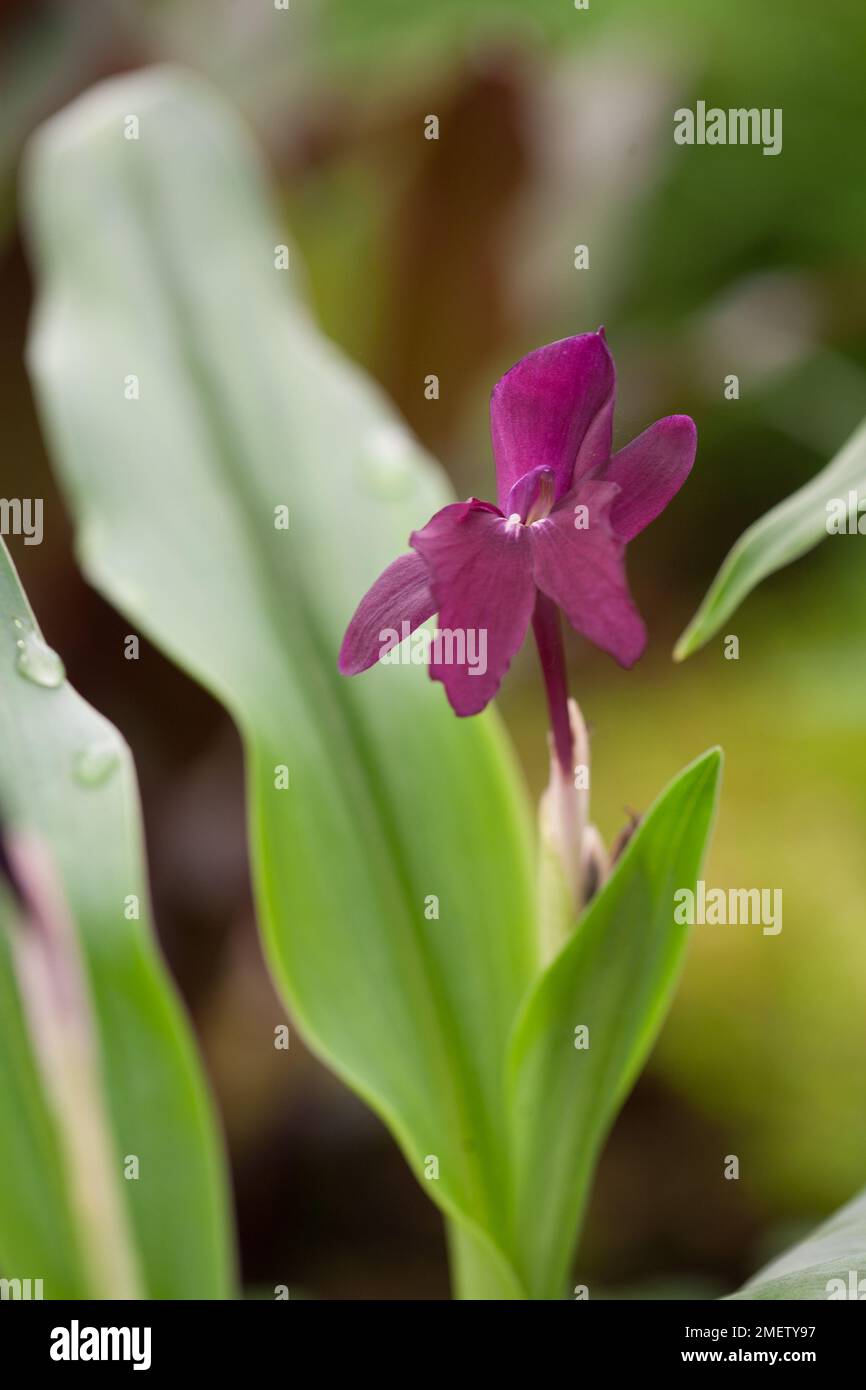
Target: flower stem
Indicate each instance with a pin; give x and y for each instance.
(548, 639)
(565, 804)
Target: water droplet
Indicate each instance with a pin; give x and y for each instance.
(36, 660)
(95, 764)
(387, 458)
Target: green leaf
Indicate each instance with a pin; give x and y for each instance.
(791, 529)
(96, 1059)
(835, 1251)
(616, 976)
(155, 258)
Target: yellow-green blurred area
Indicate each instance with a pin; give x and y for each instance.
(454, 257)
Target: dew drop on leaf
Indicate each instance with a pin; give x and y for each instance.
(35, 660)
(387, 462)
(95, 764)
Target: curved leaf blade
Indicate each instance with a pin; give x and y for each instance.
(828, 1264)
(788, 531)
(616, 975)
(67, 786)
(156, 258)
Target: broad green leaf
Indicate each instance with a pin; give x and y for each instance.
(828, 1264)
(791, 529)
(96, 1059)
(616, 976)
(155, 259)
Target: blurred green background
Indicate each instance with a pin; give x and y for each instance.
(455, 257)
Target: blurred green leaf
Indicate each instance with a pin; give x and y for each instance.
(156, 259)
(96, 1060)
(834, 1252)
(791, 529)
(616, 976)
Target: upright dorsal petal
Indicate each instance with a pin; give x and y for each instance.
(554, 409)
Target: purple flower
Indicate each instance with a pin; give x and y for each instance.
(566, 508)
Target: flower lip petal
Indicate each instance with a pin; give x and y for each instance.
(554, 408)
(582, 569)
(481, 576)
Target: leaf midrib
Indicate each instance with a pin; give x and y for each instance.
(367, 790)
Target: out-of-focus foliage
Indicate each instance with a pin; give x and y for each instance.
(769, 1028)
(826, 1265)
(113, 1184)
(365, 797)
(795, 526)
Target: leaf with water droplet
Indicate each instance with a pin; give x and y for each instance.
(82, 1065)
(36, 661)
(95, 763)
(388, 462)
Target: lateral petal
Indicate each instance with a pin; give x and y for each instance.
(401, 594)
(650, 471)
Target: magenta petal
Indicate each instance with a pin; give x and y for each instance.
(650, 471)
(583, 570)
(401, 594)
(481, 573)
(532, 495)
(554, 409)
